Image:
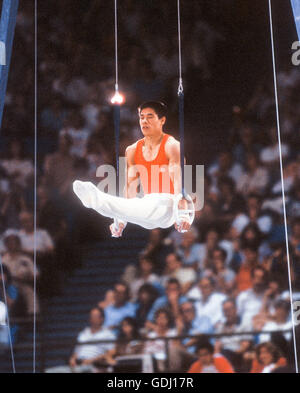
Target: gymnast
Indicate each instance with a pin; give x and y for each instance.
(163, 204)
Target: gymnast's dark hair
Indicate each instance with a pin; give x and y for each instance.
(159, 107)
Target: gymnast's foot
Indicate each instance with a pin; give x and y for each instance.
(80, 189)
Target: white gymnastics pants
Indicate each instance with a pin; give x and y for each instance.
(150, 212)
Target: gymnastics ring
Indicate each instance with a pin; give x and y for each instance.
(179, 214)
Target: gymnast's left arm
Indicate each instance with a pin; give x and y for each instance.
(173, 153)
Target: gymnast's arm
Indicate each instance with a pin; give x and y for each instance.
(173, 153)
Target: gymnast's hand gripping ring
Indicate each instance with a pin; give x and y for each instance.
(116, 224)
(184, 214)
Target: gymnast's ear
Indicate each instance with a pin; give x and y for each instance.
(163, 120)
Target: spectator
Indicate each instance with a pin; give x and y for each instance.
(254, 214)
(189, 249)
(146, 297)
(89, 357)
(58, 166)
(121, 308)
(145, 275)
(230, 203)
(44, 242)
(223, 276)
(21, 269)
(270, 154)
(16, 165)
(78, 133)
(172, 300)
(207, 300)
(268, 358)
(225, 166)
(174, 269)
(128, 341)
(162, 327)
(280, 321)
(256, 179)
(232, 347)
(189, 324)
(209, 363)
(250, 261)
(157, 249)
(211, 242)
(250, 302)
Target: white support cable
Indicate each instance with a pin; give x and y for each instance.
(180, 86)
(8, 319)
(116, 47)
(35, 181)
(282, 185)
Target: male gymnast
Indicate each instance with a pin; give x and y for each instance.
(153, 162)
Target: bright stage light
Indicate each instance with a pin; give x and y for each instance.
(118, 98)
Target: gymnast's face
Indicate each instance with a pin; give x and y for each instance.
(150, 123)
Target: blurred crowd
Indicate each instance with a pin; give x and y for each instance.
(229, 273)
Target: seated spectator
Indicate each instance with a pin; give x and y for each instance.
(21, 269)
(281, 320)
(247, 141)
(256, 178)
(121, 308)
(145, 275)
(41, 241)
(230, 203)
(29, 237)
(58, 167)
(172, 300)
(88, 358)
(253, 237)
(157, 249)
(232, 347)
(249, 262)
(209, 363)
(254, 214)
(128, 341)
(212, 240)
(208, 301)
(223, 276)
(268, 358)
(225, 166)
(146, 297)
(14, 202)
(189, 324)
(189, 249)
(251, 301)
(270, 154)
(175, 269)
(78, 133)
(162, 327)
(17, 167)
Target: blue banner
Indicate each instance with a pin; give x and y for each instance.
(296, 10)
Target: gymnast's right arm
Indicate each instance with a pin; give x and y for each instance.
(130, 190)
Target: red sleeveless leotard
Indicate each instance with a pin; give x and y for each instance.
(155, 175)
